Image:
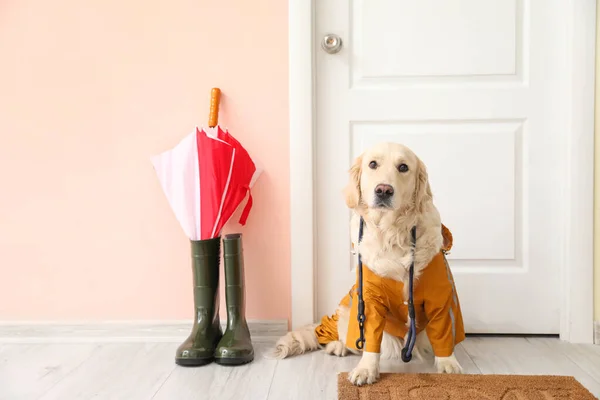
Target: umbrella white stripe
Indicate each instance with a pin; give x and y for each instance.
(176, 169)
(255, 176)
(224, 193)
(198, 219)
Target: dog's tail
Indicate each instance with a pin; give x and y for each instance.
(295, 343)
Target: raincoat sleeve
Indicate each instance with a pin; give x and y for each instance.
(375, 314)
(445, 327)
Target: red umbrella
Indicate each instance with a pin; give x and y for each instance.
(206, 177)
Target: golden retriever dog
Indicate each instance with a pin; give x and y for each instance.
(389, 189)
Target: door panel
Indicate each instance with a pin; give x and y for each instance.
(432, 38)
(473, 87)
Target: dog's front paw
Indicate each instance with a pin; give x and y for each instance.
(367, 370)
(361, 375)
(448, 365)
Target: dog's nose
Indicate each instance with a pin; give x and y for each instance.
(384, 191)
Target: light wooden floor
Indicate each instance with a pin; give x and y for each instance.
(129, 371)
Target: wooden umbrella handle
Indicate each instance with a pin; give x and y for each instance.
(215, 99)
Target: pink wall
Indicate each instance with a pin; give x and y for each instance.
(89, 91)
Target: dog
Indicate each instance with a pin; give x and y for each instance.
(389, 189)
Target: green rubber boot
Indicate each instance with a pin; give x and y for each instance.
(199, 348)
(235, 348)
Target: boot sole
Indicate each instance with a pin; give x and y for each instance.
(193, 362)
(234, 361)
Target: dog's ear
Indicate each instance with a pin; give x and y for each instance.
(423, 193)
(352, 189)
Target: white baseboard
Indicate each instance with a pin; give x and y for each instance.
(597, 332)
(120, 331)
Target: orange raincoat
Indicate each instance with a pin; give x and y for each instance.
(437, 309)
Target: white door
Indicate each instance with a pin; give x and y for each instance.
(474, 87)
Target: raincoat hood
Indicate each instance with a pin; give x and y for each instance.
(448, 240)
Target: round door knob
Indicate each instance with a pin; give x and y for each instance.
(331, 43)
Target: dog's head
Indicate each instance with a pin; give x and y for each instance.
(388, 177)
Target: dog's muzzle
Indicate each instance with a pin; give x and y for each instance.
(383, 196)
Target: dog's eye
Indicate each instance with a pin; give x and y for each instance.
(403, 168)
(373, 164)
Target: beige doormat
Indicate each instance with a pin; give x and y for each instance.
(467, 387)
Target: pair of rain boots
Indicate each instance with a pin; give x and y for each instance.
(207, 342)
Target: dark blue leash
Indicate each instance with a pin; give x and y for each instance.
(412, 333)
(360, 342)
